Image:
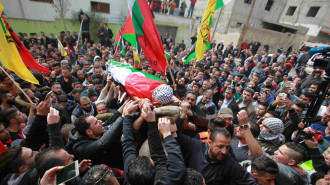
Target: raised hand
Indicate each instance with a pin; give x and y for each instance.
(121, 108)
(130, 108)
(164, 126)
(84, 165)
(44, 107)
(312, 144)
(49, 177)
(242, 117)
(53, 116)
(148, 114)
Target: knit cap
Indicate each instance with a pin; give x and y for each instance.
(274, 124)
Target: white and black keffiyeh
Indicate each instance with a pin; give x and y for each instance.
(163, 94)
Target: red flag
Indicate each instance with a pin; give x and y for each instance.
(148, 36)
(3, 148)
(69, 49)
(26, 56)
(151, 5)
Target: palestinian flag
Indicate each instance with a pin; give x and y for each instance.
(136, 83)
(117, 41)
(128, 32)
(192, 53)
(204, 32)
(147, 33)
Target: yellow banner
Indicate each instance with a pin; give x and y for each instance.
(135, 57)
(204, 32)
(9, 55)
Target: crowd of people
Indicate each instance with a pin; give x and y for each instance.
(236, 117)
(168, 7)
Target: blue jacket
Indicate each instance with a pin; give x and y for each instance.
(78, 111)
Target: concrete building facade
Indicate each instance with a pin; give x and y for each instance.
(40, 15)
(271, 19)
(299, 19)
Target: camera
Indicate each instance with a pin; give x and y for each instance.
(306, 135)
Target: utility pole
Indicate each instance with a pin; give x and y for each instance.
(245, 25)
(216, 24)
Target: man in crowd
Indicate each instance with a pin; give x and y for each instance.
(245, 103)
(85, 106)
(66, 80)
(213, 161)
(7, 100)
(20, 166)
(204, 102)
(244, 139)
(77, 81)
(230, 103)
(288, 156)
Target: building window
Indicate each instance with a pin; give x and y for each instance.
(247, 1)
(100, 7)
(269, 5)
(291, 10)
(44, 1)
(313, 11)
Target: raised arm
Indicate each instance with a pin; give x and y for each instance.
(252, 143)
(54, 128)
(175, 164)
(155, 145)
(129, 149)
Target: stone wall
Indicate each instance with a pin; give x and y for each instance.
(274, 39)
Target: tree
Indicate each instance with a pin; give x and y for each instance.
(61, 7)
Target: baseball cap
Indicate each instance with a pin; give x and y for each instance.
(226, 113)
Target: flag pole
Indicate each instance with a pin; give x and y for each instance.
(172, 77)
(16, 84)
(79, 33)
(216, 25)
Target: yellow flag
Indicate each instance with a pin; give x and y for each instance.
(136, 58)
(61, 48)
(9, 55)
(205, 29)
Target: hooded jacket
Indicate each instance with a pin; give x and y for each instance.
(101, 151)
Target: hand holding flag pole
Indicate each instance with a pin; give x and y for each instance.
(16, 85)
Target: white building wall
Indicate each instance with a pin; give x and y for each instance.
(33, 10)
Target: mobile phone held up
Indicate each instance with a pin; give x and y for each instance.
(69, 172)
